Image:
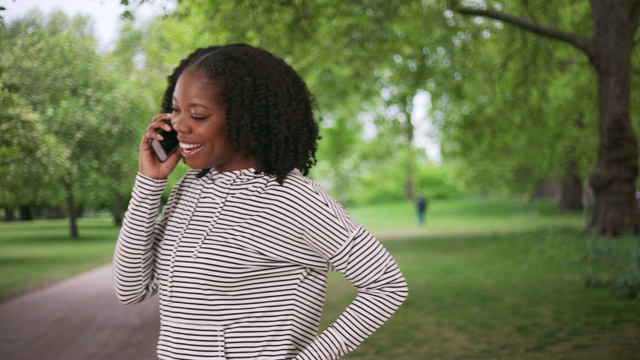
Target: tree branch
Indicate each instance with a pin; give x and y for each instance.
(634, 15)
(579, 41)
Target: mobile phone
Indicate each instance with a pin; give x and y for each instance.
(167, 146)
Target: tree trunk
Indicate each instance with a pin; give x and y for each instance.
(571, 189)
(56, 212)
(615, 23)
(118, 210)
(25, 213)
(8, 214)
(409, 192)
(614, 178)
(546, 189)
(73, 217)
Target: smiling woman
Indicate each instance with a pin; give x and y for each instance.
(199, 118)
(241, 251)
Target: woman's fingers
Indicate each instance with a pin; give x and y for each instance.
(158, 122)
(149, 164)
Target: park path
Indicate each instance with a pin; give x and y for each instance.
(78, 319)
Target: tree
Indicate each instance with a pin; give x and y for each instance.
(28, 157)
(375, 56)
(340, 140)
(54, 62)
(519, 112)
(609, 50)
(346, 51)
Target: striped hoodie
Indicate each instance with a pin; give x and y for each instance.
(240, 264)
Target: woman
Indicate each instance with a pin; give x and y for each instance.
(240, 253)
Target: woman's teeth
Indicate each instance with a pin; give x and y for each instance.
(188, 149)
(189, 146)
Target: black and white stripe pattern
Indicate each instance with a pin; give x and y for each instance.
(240, 263)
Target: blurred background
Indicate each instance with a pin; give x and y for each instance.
(413, 97)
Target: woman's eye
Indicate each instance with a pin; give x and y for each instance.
(198, 117)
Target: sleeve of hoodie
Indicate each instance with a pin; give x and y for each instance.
(363, 260)
(142, 231)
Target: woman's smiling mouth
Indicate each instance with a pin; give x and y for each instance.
(189, 149)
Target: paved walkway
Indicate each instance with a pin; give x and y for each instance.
(78, 319)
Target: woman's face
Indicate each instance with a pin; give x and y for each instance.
(199, 118)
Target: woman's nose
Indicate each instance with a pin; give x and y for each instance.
(178, 123)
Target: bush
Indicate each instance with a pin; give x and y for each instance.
(378, 189)
(437, 182)
(614, 263)
(627, 284)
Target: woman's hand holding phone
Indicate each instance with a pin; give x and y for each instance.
(149, 163)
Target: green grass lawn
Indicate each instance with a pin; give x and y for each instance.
(494, 279)
(36, 253)
(488, 279)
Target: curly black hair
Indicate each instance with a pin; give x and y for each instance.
(172, 80)
(268, 106)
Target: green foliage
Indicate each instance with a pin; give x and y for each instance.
(526, 106)
(90, 112)
(614, 264)
(380, 174)
(337, 167)
(437, 182)
(384, 181)
(378, 188)
(29, 155)
(511, 108)
(627, 284)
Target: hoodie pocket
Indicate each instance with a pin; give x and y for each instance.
(183, 340)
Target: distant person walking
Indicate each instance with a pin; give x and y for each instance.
(422, 203)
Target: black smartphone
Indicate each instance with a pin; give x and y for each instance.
(167, 146)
